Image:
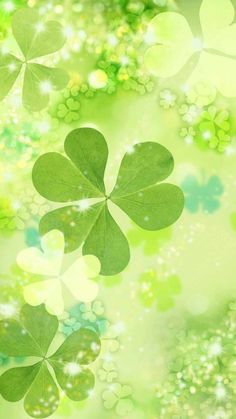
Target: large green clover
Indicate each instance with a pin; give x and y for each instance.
(175, 44)
(31, 336)
(35, 39)
(151, 206)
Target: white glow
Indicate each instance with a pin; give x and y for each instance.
(9, 6)
(40, 27)
(206, 135)
(98, 79)
(45, 86)
(189, 139)
(220, 392)
(130, 149)
(44, 127)
(84, 205)
(124, 60)
(12, 67)
(112, 40)
(215, 349)
(197, 44)
(68, 31)
(7, 310)
(150, 37)
(72, 369)
(119, 328)
(16, 205)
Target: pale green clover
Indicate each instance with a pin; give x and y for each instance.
(118, 397)
(175, 45)
(35, 39)
(32, 336)
(48, 264)
(79, 176)
(108, 372)
(201, 95)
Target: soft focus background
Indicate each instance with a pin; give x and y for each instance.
(168, 321)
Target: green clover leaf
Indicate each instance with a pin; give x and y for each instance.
(35, 39)
(175, 44)
(151, 206)
(31, 336)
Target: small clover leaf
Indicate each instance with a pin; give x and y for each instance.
(35, 39)
(175, 45)
(86, 316)
(31, 336)
(48, 263)
(150, 205)
(108, 372)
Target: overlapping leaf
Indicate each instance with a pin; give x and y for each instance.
(32, 336)
(48, 264)
(175, 45)
(136, 192)
(35, 39)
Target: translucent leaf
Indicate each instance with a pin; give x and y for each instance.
(10, 68)
(218, 28)
(87, 148)
(42, 399)
(57, 179)
(147, 164)
(34, 37)
(47, 262)
(153, 208)
(76, 278)
(74, 223)
(48, 292)
(76, 381)
(39, 82)
(81, 347)
(206, 71)
(108, 243)
(174, 39)
(15, 382)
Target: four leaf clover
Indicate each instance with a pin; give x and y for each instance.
(205, 196)
(151, 241)
(152, 289)
(31, 336)
(75, 278)
(35, 39)
(175, 45)
(79, 176)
